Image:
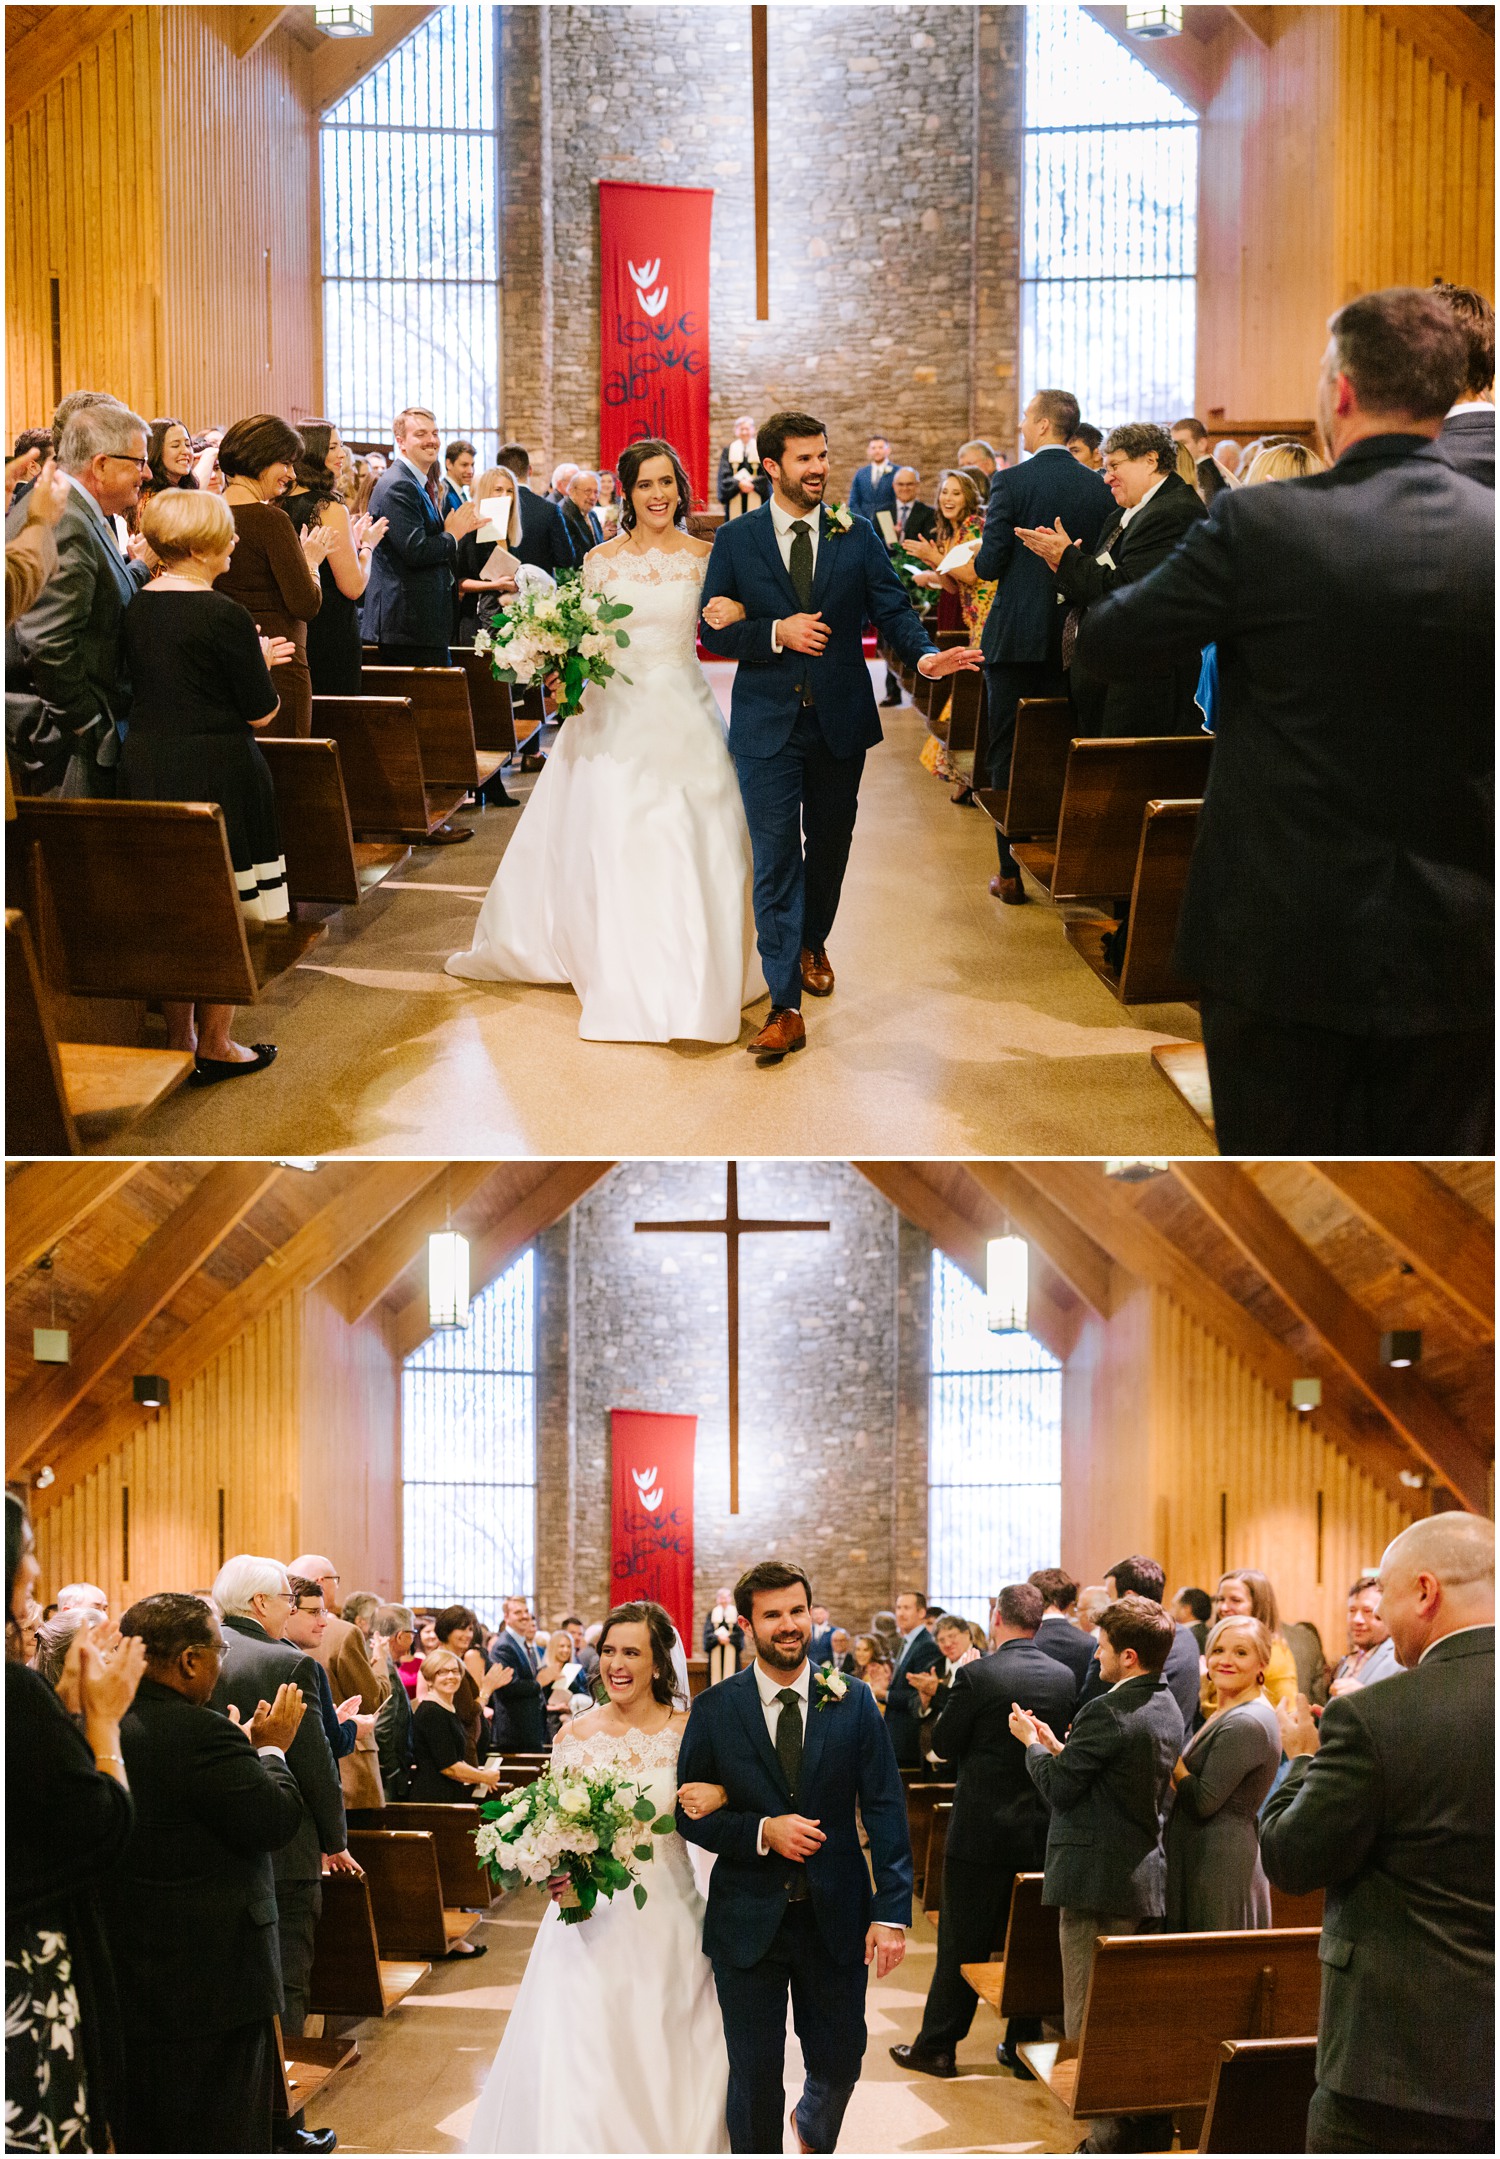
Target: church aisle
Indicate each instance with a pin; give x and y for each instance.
(421, 2070)
(958, 1027)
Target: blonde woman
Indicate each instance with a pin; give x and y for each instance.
(1214, 1876)
(1246, 1593)
(444, 1774)
(1282, 461)
(486, 562)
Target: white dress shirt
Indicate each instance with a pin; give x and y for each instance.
(781, 524)
(768, 1689)
(1137, 507)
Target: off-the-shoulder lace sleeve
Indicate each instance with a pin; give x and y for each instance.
(596, 570)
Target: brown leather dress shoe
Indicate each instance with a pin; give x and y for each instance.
(1009, 889)
(817, 975)
(783, 1032)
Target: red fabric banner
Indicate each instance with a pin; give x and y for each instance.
(651, 1513)
(653, 321)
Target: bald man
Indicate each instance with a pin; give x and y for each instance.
(344, 1656)
(1389, 1806)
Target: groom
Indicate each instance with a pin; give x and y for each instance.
(789, 1899)
(803, 709)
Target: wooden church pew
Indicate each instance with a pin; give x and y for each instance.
(351, 1976)
(1108, 784)
(1184, 1067)
(964, 712)
(497, 725)
(1146, 975)
(937, 1850)
(324, 861)
(63, 1097)
(464, 1883)
(922, 1795)
(1260, 2095)
(1029, 803)
(1026, 1979)
(391, 794)
(406, 1894)
(306, 2065)
(445, 723)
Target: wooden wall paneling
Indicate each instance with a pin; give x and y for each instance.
(350, 1473)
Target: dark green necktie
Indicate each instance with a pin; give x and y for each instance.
(789, 1726)
(802, 561)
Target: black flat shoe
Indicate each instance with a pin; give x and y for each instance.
(304, 2140)
(208, 1071)
(470, 1955)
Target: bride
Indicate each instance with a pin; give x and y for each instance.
(615, 2043)
(629, 873)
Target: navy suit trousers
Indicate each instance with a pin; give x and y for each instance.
(828, 2013)
(801, 804)
(1006, 682)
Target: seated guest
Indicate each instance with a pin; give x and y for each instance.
(31, 556)
(1338, 916)
(306, 1624)
(982, 455)
(395, 1631)
(999, 1824)
(1085, 443)
(67, 1819)
(67, 678)
(1467, 439)
(1372, 1653)
(169, 452)
(408, 607)
(1056, 1634)
(1109, 1789)
(873, 487)
(273, 575)
(1155, 506)
(444, 1774)
(488, 557)
(1191, 435)
(1143, 1577)
(459, 460)
(584, 528)
(1246, 1593)
(186, 1908)
(1214, 1876)
(202, 685)
(1194, 1609)
(1389, 1807)
(918, 1653)
(316, 502)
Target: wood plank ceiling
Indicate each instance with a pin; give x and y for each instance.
(1296, 1267)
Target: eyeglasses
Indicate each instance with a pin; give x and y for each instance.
(142, 464)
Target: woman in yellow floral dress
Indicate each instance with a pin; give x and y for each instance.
(960, 522)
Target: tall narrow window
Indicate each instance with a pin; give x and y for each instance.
(1109, 249)
(468, 1453)
(411, 312)
(994, 1451)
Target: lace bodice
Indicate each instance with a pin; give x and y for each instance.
(636, 1753)
(661, 587)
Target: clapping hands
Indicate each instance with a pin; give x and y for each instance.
(1051, 544)
(318, 542)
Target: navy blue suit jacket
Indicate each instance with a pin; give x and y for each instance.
(545, 542)
(853, 579)
(846, 1760)
(1025, 617)
(521, 1719)
(409, 599)
(866, 496)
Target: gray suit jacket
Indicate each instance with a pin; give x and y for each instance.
(254, 1667)
(1395, 1818)
(1109, 1791)
(66, 679)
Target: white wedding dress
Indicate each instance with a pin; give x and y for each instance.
(615, 2043)
(629, 874)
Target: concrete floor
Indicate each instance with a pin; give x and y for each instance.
(421, 2069)
(958, 1027)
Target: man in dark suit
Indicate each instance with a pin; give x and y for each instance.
(999, 1824)
(1468, 435)
(458, 476)
(1139, 1576)
(918, 1653)
(544, 541)
(1389, 1807)
(579, 515)
(254, 1596)
(1338, 918)
(190, 1907)
(1109, 1788)
(1056, 1634)
(395, 1631)
(910, 517)
(1155, 509)
(67, 689)
(1022, 639)
(407, 609)
(520, 1711)
(873, 487)
(820, 1648)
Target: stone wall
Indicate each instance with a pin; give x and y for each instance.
(894, 147)
(833, 1378)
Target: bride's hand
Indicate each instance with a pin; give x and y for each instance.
(557, 1885)
(721, 612)
(696, 1800)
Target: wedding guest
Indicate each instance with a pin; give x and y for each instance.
(1246, 1593)
(408, 607)
(457, 1631)
(359, 1611)
(1281, 461)
(34, 445)
(544, 541)
(1372, 1653)
(488, 557)
(1091, 1603)
(315, 502)
(963, 602)
(872, 488)
(55, 1638)
(1467, 439)
(31, 556)
(306, 1624)
(395, 1632)
(444, 1774)
(1142, 1576)
(1192, 435)
(742, 484)
(877, 1676)
(273, 577)
(363, 487)
(459, 460)
(1057, 1633)
(843, 1650)
(918, 1653)
(865, 1652)
(1214, 1876)
(169, 452)
(607, 509)
(562, 1680)
(562, 474)
(887, 1634)
(1194, 1608)
(1226, 455)
(981, 454)
(1085, 444)
(584, 528)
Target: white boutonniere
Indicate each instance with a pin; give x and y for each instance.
(836, 520)
(832, 1686)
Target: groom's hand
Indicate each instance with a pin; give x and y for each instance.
(884, 1947)
(803, 633)
(933, 664)
(793, 1836)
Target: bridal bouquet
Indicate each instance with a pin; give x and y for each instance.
(595, 1827)
(557, 629)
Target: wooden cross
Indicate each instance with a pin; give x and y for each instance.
(731, 1229)
(762, 165)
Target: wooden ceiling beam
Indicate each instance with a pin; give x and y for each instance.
(251, 26)
(547, 1202)
(1136, 1245)
(908, 1191)
(1236, 1204)
(46, 1200)
(40, 58)
(189, 1236)
(1079, 1257)
(340, 64)
(1449, 1243)
(363, 1278)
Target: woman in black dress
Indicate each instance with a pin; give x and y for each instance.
(318, 496)
(480, 584)
(444, 1775)
(201, 682)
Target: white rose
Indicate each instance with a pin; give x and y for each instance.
(573, 1797)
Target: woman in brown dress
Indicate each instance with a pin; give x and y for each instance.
(272, 573)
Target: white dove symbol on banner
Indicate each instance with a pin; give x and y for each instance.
(652, 302)
(644, 1478)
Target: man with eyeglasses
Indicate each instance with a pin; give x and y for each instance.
(255, 1597)
(345, 1657)
(67, 690)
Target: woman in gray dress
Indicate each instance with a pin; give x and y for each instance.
(1214, 1876)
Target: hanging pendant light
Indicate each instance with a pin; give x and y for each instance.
(447, 1275)
(1161, 20)
(344, 21)
(1006, 1271)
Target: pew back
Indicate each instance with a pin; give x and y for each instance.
(324, 861)
(1108, 785)
(390, 792)
(445, 721)
(1029, 802)
(492, 704)
(1260, 2095)
(350, 1977)
(465, 1885)
(406, 1894)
